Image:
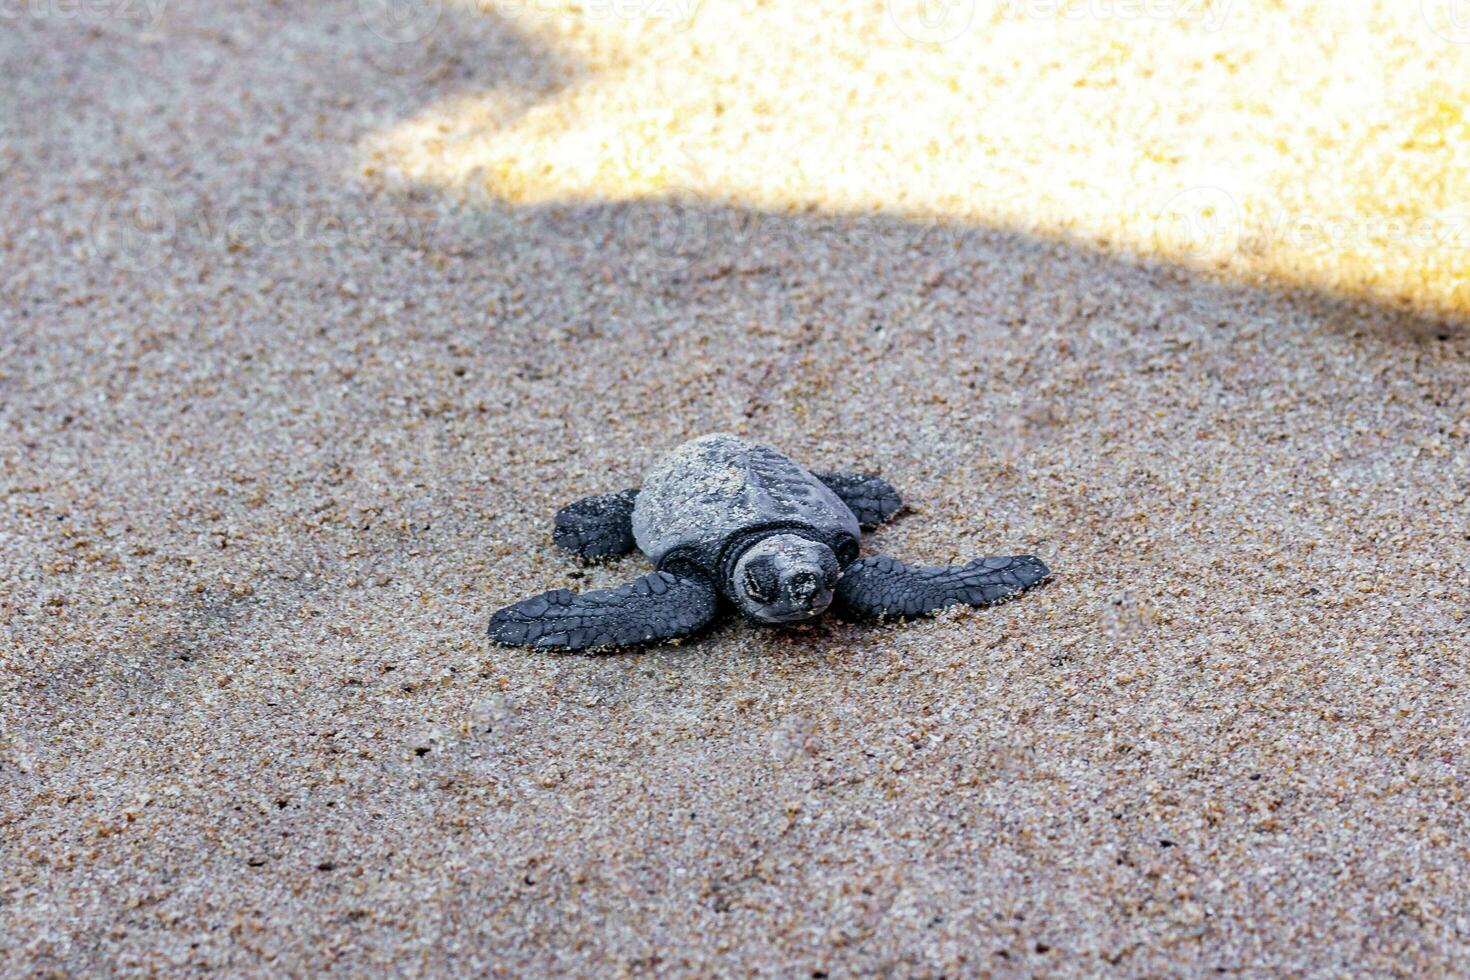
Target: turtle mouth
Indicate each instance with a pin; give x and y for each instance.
(783, 615)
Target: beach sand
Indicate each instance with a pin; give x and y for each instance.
(287, 407)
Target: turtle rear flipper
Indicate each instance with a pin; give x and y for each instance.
(658, 606)
(597, 527)
(871, 499)
(881, 586)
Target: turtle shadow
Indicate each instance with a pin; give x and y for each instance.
(967, 361)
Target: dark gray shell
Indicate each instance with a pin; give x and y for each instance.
(713, 489)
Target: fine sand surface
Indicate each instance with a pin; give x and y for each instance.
(289, 393)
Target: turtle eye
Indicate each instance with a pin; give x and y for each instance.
(847, 552)
(761, 588)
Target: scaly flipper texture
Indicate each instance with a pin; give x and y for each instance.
(597, 527)
(658, 606)
(881, 586)
(870, 498)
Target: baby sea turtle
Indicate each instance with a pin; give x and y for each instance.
(723, 517)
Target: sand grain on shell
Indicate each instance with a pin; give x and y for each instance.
(262, 482)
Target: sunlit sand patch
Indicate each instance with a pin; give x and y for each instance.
(1327, 146)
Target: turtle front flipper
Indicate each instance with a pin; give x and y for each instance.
(881, 586)
(871, 499)
(658, 606)
(597, 527)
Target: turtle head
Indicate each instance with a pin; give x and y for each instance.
(784, 578)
